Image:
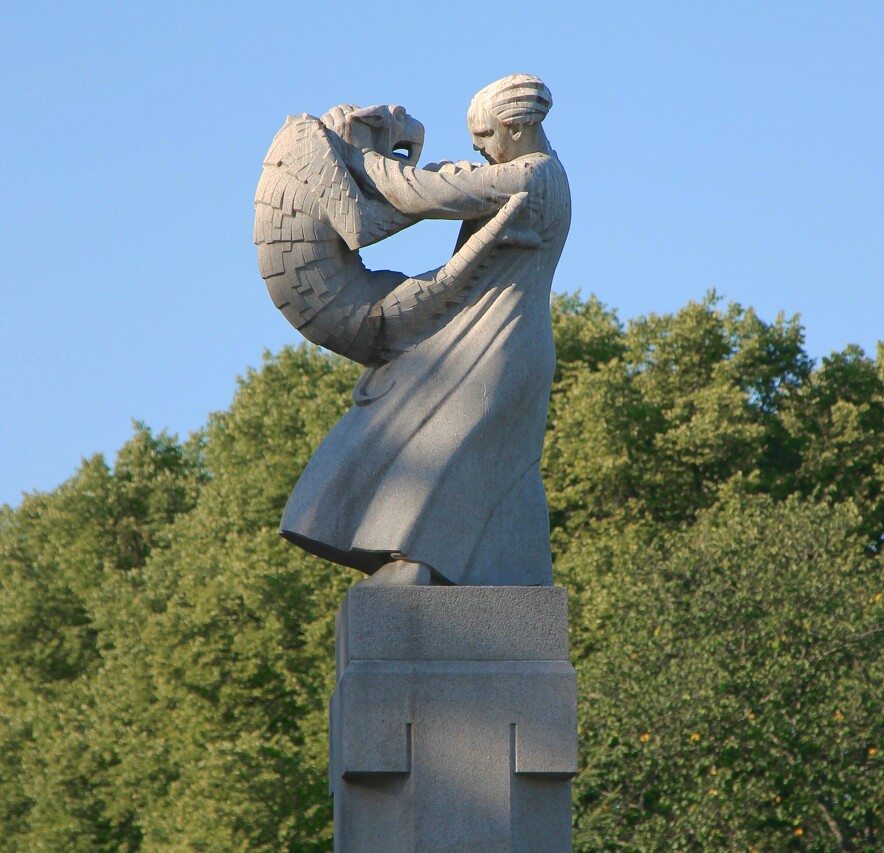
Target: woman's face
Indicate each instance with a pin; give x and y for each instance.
(490, 138)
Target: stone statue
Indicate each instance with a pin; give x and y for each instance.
(311, 218)
(433, 475)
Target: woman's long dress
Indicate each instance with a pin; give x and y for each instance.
(438, 461)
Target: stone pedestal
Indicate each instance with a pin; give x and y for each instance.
(454, 721)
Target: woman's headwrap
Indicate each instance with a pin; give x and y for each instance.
(514, 100)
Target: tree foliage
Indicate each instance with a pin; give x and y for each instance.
(717, 512)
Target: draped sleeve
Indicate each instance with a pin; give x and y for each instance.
(456, 191)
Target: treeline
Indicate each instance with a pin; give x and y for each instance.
(718, 516)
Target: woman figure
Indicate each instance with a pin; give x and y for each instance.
(434, 473)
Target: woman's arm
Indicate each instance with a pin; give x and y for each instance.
(454, 192)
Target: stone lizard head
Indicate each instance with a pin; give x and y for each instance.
(386, 129)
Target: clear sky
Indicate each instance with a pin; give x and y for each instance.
(729, 145)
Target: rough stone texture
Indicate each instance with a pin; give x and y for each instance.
(438, 461)
(452, 623)
(453, 722)
(311, 218)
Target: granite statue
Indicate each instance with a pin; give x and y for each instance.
(433, 475)
(311, 219)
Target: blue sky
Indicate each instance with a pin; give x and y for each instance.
(730, 145)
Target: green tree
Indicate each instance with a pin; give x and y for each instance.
(716, 509)
(728, 677)
(219, 662)
(57, 552)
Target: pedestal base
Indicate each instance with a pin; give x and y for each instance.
(453, 722)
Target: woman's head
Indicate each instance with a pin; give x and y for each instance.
(504, 118)
(514, 100)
